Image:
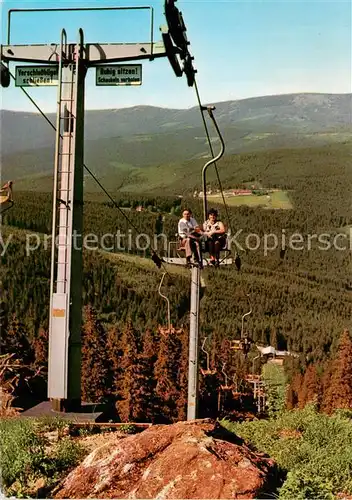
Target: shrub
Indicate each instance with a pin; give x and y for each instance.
(25, 454)
(300, 486)
(315, 449)
(276, 386)
(21, 450)
(49, 424)
(128, 428)
(66, 454)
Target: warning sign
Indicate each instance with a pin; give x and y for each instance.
(119, 74)
(36, 76)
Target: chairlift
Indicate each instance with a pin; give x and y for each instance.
(6, 197)
(212, 161)
(208, 371)
(245, 342)
(167, 301)
(235, 391)
(253, 378)
(178, 247)
(225, 387)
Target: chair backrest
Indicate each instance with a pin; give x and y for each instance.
(6, 192)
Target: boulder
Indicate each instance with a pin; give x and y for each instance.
(197, 459)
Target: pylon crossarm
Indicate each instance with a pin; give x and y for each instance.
(93, 54)
(109, 53)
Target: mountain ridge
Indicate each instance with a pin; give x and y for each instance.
(22, 131)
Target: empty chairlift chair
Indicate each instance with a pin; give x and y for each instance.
(208, 371)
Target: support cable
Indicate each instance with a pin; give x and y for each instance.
(155, 257)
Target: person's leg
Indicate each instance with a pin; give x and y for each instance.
(198, 253)
(188, 249)
(194, 247)
(217, 248)
(212, 250)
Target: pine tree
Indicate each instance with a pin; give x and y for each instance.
(339, 394)
(183, 375)
(16, 341)
(167, 373)
(296, 386)
(311, 386)
(114, 355)
(94, 359)
(326, 382)
(3, 315)
(41, 348)
(142, 389)
(128, 406)
(291, 398)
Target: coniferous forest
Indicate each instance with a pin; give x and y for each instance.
(301, 298)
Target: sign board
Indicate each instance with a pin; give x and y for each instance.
(37, 76)
(119, 74)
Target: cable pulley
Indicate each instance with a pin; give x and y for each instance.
(4, 76)
(176, 26)
(171, 52)
(176, 43)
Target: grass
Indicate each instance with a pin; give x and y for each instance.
(278, 200)
(314, 449)
(29, 458)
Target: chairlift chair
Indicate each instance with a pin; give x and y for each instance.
(168, 306)
(236, 345)
(245, 342)
(208, 371)
(225, 387)
(235, 392)
(253, 378)
(241, 345)
(6, 197)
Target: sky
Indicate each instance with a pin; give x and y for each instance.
(241, 49)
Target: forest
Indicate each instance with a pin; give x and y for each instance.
(301, 299)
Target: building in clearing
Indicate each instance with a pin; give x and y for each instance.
(242, 192)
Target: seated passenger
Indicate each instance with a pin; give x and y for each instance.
(214, 231)
(190, 232)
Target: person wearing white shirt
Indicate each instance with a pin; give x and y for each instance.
(189, 232)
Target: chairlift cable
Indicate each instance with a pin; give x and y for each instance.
(155, 257)
(35, 104)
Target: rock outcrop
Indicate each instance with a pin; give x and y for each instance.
(184, 460)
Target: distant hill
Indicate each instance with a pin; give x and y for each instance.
(119, 141)
(273, 167)
(314, 112)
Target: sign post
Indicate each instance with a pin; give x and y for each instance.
(36, 76)
(118, 74)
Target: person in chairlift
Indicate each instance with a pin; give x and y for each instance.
(190, 232)
(214, 231)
